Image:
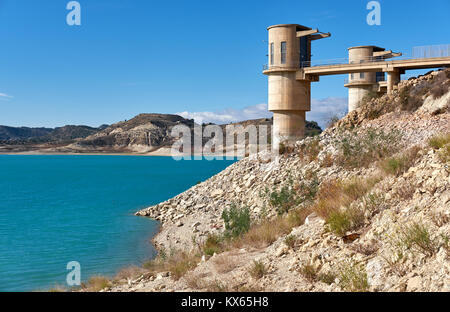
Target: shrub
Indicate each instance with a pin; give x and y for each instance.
(237, 221)
(327, 277)
(309, 272)
(439, 141)
(417, 237)
(340, 222)
(356, 150)
(284, 199)
(290, 241)
(213, 245)
(258, 269)
(353, 278)
(310, 150)
(397, 165)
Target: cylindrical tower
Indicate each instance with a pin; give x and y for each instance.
(289, 98)
(360, 84)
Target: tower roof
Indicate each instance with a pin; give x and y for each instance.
(299, 27)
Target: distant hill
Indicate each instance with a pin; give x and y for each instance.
(141, 134)
(23, 135)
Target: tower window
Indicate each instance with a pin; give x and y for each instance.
(361, 75)
(271, 53)
(283, 52)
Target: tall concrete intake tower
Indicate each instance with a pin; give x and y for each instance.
(289, 97)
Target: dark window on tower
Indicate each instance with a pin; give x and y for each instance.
(271, 53)
(361, 75)
(283, 52)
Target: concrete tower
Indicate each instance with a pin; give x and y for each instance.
(362, 84)
(289, 97)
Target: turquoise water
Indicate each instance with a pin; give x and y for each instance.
(57, 209)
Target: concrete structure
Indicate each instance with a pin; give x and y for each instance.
(290, 75)
(363, 84)
(289, 97)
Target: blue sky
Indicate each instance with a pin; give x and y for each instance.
(203, 58)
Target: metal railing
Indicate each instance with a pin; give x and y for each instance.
(432, 51)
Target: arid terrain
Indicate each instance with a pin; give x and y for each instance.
(364, 206)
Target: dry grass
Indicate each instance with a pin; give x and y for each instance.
(441, 143)
(131, 272)
(353, 278)
(417, 237)
(335, 194)
(97, 283)
(397, 165)
(327, 277)
(309, 272)
(366, 249)
(177, 263)
(58, 288)
(258, 269)
(406, 191)
(327, 161)
(225, 263)
(310, 150)
(195, 281)
(268, 231)
(334, 203)
(440, 218)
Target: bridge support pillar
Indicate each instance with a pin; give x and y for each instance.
(393, 78)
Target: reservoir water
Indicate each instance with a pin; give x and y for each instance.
(57, 209)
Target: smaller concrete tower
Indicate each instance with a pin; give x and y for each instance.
(362, 84)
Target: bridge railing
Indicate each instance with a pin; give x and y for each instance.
(442, 50)
(431, 51)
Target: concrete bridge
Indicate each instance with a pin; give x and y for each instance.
(290, 73)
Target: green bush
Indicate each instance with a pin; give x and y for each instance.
(213, 245)
(417, 236)
(237, 221)
(258, 269)
(353, 278)
(340, 222)
(356, 150)
(283, 200)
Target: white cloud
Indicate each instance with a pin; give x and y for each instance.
(321, 112)
(229, 115)
(5, 97)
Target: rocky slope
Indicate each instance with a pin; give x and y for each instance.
(392, 236)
